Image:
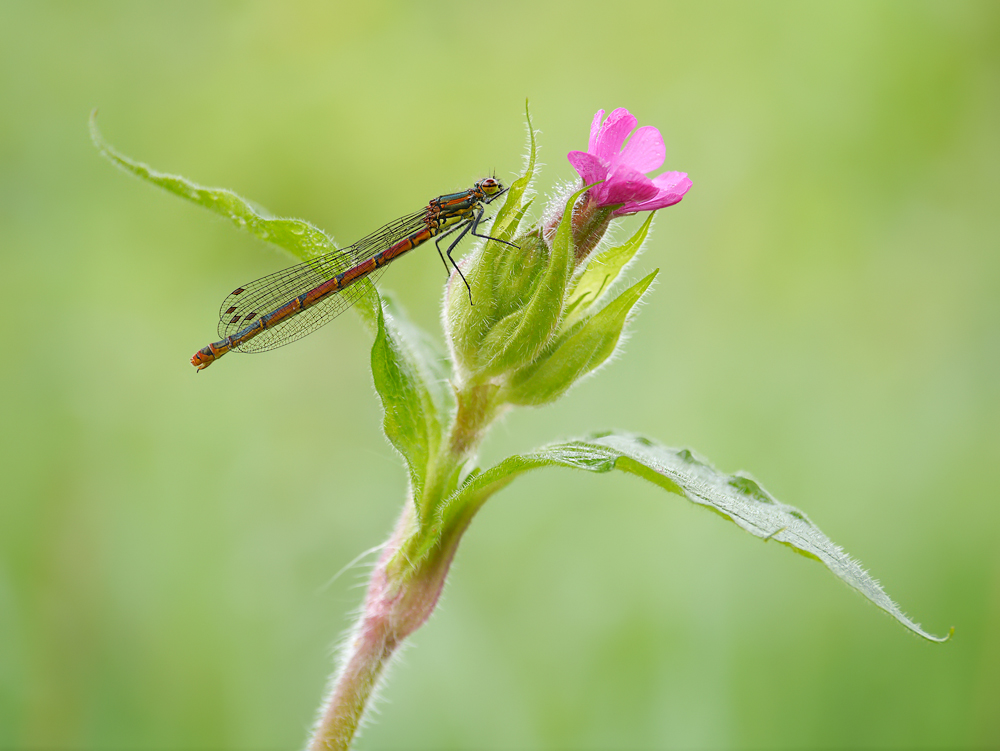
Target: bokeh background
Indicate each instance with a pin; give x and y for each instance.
(826, 317)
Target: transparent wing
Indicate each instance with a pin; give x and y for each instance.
(248, 303)
(310, 319)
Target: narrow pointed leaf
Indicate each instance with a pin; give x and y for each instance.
(511, 213)
(576, 354)
(429, 361)
(466, 326)
(737, 497)
(298, 237)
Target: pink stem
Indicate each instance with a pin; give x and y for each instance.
(399, 600)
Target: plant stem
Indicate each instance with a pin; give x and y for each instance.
(476, 409)
(402, 592)
(401, 596)
(354, 685)
(371, 645)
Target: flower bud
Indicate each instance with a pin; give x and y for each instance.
(517, 301)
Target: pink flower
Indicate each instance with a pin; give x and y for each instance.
(623, 169)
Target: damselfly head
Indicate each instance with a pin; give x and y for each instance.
(490, 187)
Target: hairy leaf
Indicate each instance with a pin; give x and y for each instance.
(737, 497)
(411, 411)
(512, 212)
(576, 353)
(431, 364)
(468, 324)
(298, 237)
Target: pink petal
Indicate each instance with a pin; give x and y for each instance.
(625, 185)
(670, 184)
(589, 167)
(613, 133)
(671, 180)
(671, 188)
(595, 129)
(645, 150)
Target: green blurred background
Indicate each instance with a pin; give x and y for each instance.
(826, 317)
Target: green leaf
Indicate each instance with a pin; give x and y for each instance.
(427, 358)
(411, 418)
(738, 498)
(298, 237)
(576, 353)
(600, 274)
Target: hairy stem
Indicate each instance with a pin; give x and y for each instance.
(366, 655)
(354, 685)
(402, 594)
(407, 581)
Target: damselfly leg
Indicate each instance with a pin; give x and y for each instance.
(468, 227)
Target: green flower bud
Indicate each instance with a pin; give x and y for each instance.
(517, 302)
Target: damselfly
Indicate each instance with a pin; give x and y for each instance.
(282, 307)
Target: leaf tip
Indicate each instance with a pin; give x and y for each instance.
(945, 638)
(648, 280)
(931, 637)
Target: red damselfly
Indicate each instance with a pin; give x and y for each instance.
(279, 308)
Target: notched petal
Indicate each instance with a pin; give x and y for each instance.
(644, 151)
(613, 133)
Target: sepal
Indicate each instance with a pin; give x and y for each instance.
(579, 351)
(600, 274)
